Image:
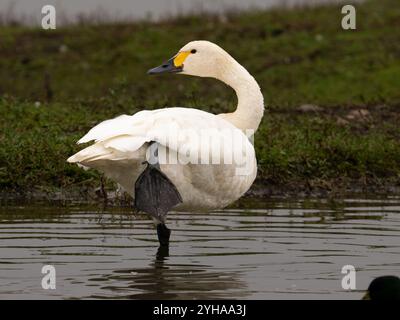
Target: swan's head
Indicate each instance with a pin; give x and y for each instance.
(197, 58)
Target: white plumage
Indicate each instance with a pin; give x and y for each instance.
(120, 144)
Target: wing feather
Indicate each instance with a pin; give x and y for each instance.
(121, 137)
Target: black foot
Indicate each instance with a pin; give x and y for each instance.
(155, 194)
(163, 235)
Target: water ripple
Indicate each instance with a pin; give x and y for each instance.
(269, 250)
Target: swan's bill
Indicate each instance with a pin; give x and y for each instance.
(167, 67)
(173, 65)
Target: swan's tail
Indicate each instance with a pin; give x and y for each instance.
(92, 153)
(122, 167)
(117, 148)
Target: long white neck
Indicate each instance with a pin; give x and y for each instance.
(250, 108)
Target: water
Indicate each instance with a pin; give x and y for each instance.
(261, 250)
(29, 11)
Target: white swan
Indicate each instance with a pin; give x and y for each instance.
(120, 144)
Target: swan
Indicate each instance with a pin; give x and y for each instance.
(128, 148)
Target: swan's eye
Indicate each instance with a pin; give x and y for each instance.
(193, 51)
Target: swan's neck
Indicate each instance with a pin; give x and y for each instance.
(250, 108)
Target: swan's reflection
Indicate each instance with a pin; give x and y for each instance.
(163, 280)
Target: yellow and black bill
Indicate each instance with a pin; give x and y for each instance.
(173, 65)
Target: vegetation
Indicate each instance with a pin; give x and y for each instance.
(55, 85)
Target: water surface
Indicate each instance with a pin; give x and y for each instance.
(29, 11)
(290, 249)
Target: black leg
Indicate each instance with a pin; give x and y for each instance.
(163, 235)
(162, 253)
(155, 194)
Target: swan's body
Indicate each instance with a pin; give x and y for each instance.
(120, 144)
(120, 152)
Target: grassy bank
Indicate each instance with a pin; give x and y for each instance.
(55, 85)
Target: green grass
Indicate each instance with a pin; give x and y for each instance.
(84, 74)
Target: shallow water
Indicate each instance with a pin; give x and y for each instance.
(29, 11)
(290, 249)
